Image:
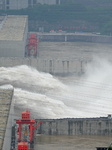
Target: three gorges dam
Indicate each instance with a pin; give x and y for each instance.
(67, 86)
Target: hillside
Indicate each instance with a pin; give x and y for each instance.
(92, 3)
(70, 16)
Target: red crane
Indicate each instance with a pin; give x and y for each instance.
(26, 132)
(23, 146)
(31, 48)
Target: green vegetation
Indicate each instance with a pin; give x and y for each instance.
(110, 148)
(69, 17)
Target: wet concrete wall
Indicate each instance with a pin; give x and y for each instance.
(55, 67)
(6, 116)
(77, 126)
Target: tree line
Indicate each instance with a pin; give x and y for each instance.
(77, 17)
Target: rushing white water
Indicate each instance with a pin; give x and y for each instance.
(48, 97)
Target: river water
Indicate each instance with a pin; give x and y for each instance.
(72, 142)
(47, 96)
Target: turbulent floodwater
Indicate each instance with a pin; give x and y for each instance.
(80, 142)
(49, 97)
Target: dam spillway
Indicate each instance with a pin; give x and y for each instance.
(6, 116)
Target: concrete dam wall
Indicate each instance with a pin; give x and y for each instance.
(76, 37)
(6, 116)
(55, 67)
(77, 126)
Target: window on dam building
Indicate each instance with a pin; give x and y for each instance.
(31, 2)
(7, 7)
(58, 2)
(7, 2)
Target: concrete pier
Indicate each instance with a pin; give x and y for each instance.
(54, 66)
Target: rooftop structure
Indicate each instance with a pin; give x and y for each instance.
(20, 4)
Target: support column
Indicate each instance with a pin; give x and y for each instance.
(19, 139)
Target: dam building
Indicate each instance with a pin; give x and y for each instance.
(21, 4)
(13, 35)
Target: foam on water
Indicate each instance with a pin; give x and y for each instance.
(48, 97)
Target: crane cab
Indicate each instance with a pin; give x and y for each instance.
(22, 146)
(25, 115)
